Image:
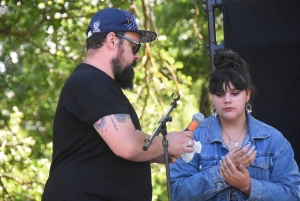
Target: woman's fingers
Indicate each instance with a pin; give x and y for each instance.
(244, 156)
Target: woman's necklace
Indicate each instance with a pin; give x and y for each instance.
(236, 141)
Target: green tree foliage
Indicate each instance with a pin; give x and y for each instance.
(42, 41)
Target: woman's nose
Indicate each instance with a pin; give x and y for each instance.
(227, 98)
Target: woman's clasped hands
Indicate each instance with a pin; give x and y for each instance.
(233, 167)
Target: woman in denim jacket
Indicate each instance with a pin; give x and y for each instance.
(241, 158)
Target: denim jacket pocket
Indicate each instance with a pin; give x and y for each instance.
(207, 162)
(260, 168)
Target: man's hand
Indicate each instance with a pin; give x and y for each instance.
(180, 142)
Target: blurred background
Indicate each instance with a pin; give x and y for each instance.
(42, 41)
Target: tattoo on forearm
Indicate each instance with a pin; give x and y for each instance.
(100, 124)
(122, 117)
(113, 123)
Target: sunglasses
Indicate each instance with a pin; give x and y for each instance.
(136, 48)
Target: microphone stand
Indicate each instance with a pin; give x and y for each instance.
(162, 128)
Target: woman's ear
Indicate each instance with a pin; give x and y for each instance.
(248, 92)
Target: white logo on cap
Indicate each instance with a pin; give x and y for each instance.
(96, 26)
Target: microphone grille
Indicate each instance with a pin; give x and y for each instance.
(198, 117)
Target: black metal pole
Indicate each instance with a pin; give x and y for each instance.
(162, 128)
(165, 144)
(209, 7)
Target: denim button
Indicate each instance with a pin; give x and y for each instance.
(219, 184)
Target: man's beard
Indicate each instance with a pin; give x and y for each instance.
(124, 77)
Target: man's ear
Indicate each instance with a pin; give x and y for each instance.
(110, 40)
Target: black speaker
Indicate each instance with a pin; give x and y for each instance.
(266, 34)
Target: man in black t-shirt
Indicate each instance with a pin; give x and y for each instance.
(97, 138)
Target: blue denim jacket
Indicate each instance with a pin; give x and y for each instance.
(274, 172)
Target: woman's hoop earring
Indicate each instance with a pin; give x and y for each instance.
(214, 112)
(248, 108)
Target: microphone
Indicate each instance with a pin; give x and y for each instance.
(197, 119)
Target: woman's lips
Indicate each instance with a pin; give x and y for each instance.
(228, 108)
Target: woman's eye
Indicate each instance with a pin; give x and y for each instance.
(235, 93)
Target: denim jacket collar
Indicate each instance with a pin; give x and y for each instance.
(255, 129)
